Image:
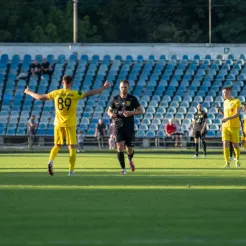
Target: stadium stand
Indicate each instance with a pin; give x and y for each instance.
(166, 88)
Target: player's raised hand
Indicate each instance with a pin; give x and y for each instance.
(106, 85)
(27, 90)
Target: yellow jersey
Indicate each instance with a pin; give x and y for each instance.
(244, 124)
(230, 108)
(66, 102)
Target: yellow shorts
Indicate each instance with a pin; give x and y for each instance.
(243, 138)
(230, 134)
(65, 133)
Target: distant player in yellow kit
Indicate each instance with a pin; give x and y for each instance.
(66, 101)
(244, 127)
(231, 125)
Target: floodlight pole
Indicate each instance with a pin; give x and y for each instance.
(210, 21)
(75, 21)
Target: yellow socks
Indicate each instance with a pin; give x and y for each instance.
(72, 158)
(227, 155)
(237, 153)
(54, 152)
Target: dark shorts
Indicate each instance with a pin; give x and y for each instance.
(197, 134)
(126, 135)
(31, 132)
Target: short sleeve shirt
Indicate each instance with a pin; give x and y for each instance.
(199, 117)
(66, 102)
(119, 105)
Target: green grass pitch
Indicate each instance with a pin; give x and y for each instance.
(170, 200)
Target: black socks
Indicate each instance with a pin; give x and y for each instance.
(121, 159)
(196, 148)
(130, 156)
(204, 147)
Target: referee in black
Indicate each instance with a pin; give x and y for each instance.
(199, 126)
(122, 108)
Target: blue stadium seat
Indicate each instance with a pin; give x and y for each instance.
(150, 134)
(189, 116)
(242, 98)
(187, 121)
(20, 131)
(10, 131)
(153, 104)
(159, 115)
(143, 127)
(169, 115)
(157, 121)
(140, 134)
(210, 134)
(184, 104)
(179, 116)
(153, 127)
(160, 134)
(211, 116)
(2, 131)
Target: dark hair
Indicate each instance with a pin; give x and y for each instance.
(67, 79)
(124, 81)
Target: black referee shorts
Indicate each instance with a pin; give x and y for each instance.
(127, 135)
(197, 134)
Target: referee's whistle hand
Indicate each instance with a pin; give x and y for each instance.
(113, 116)
(127, 113)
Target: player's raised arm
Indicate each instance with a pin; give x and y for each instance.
(36, 95)
(97, 91)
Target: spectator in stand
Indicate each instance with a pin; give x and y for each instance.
(170, 130)
(35, 69)
(46, 67)
(179, 134)
(31, 131)
(190, 136)
(111, 142)
(100, 133)
(112, 128)
(80, 138)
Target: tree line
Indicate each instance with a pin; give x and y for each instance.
(126, 21)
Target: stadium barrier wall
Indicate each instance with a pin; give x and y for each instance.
(92, 142)
(123, 49)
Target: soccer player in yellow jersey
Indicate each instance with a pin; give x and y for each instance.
(66, 101)
(244, 127)
(231, 125)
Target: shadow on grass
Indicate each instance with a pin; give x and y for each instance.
(142, 180)
(138, 168)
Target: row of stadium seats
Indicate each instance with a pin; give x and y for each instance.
(165, 88)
